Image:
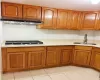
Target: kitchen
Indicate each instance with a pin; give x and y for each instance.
(46, 40)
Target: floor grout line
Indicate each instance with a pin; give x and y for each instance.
(48, 74)
(66, 76)
(77, 71)
(30, 74)
(14, 76)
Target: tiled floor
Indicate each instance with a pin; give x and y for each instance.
(57, 73)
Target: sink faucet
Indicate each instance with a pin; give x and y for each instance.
(85, 39)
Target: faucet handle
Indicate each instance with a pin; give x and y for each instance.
(85, 34)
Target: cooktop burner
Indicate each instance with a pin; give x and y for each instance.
(23, 42)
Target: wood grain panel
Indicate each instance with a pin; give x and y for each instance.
(83, 47)
(4, 59)
(66, 56)
(11, 10)
(76, 19)
(95, 59)
(49, 18)
(89, 20)
(15, 61)
(82, 57)
(36, 59)
(21, 49)
(62, 19)
(53, 58)
(32, 12)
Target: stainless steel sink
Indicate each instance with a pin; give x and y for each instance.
(84, 43)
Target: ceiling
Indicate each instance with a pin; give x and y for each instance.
(63, 4)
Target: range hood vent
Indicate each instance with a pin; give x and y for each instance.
(21, 21)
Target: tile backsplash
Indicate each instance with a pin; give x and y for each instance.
(29, 32)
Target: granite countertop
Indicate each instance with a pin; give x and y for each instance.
(53, 42)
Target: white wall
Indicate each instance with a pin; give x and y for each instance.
(92, 34)
(25, 32)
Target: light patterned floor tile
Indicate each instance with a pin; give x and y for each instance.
(56, 73)
(73, 76)
(89, 76)
(38, 72)
(57, 70)
(41, 78)
(58, 77)
(25, 75)
(24, 78)
(8, 76)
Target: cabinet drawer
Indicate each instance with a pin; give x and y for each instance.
(96, 49)
(66, 47)
(25, 49)
(83, 47)
(52, 48)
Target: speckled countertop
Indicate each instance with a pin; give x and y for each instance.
(54, 42)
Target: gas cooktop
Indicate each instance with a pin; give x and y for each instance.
(23, 42)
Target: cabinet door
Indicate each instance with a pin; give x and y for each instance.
(11, 10)
(62, 19)
(66, 56)
(98, 22)
(36, 59)
(82, 57)
(15, 61)
(53, 58)
(95, 60)
(75, 23)
(31, 12)
(69, 19)
(49, 17)
(89, 20)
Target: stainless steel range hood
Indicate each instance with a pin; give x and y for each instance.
(21, 21)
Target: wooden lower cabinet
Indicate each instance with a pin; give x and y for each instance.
(82, 57)
(59, 55)
(66, 56)
(23, 58)
(36, 59)
(26, 58)
(95, 59)
(52, 57)
(15, 61)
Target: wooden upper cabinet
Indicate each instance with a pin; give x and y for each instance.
(49, 18)
(89, 20)
(11, 10)
(76, 23)
(62, 19)
(36, 59)
(98, 22)
(31, 12)
(16, 61)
